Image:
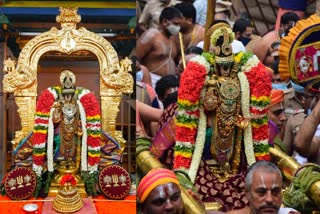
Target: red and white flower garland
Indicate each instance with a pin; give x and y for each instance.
(191, 119)
(43, 130)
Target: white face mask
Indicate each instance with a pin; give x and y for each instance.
(173, 29)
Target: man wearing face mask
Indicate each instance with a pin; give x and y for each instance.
(243, 30)
(156, 48)
(149, 17)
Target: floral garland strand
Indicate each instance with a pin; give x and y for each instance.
(40, 130)
(260, 90)
(200, 141)
(245, 107)
(93, 128)
(187, 119)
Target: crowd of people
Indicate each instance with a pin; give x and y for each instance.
(194, 105)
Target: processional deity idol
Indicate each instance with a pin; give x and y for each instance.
(221, 123)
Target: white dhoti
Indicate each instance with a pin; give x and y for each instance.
(154, 79)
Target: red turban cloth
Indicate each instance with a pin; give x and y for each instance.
(277, 96)
(152, 179)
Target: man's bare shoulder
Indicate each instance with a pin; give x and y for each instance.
(272, 35)
(149, 35)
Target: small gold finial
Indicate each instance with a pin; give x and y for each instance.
(68, 15)
(9, 65)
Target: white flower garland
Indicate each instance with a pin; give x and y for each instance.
(184, 144)
(83, 92)
(245, 107)
(37, 169)
(53, 92)
(252, 62)
(202, 61)
(84, 163)
(200, 141)
(50, 142)
(265, 142)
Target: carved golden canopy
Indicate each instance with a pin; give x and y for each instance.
(21, 80)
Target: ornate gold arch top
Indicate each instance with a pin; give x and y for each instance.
(21, 80)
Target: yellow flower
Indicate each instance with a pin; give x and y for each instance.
(260, 99)
(93, 154)
(39, 154)
(40, 131)
(96, 117)
(190, 125)
(238, 57)
(184, 154)
(187, 102)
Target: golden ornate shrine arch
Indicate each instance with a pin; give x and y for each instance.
(21, 80)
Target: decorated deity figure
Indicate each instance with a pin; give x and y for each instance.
(222, 103)
(67, 137)
(221, 121)
(66, 118)
(67, 132)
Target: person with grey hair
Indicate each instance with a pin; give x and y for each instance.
(264, 190)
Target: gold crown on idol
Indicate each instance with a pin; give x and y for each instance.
(68, 81)
(220, 42)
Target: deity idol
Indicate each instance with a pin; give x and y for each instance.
(221, 120)
(67, 137)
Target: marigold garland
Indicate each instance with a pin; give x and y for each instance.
(192, 79)
(254, 87)
(260, 89)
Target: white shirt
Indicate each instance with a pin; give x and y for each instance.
(237, 46)
(286, 210)
(201, 11)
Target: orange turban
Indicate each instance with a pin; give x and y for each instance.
(277, 96)
(152, 179)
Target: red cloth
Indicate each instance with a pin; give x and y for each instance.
(9, 206)
(105, 206)
(102, 205)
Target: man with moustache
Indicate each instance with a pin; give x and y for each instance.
(264, 190)
(156, 47)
